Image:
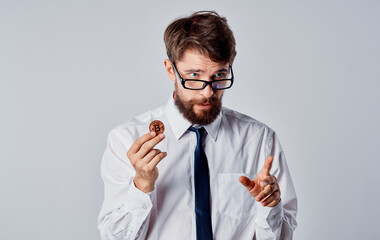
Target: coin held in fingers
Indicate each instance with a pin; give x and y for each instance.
(156, 126)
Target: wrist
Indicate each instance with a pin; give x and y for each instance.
(143, 185)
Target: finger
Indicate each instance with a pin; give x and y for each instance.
(246, 182)
(268, 199)
(272, 200)
(140, 141)
(149, 145)
(267, 165)
(157, 159)
(268, 190)
(150, 155)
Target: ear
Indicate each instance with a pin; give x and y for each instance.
(169, 69)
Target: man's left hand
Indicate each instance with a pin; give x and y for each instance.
(264, 188)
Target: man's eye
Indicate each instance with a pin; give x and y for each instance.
(219, 75)
(193, 75)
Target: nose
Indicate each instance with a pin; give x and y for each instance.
(207, 92)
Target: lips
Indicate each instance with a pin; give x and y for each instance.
(204, 106)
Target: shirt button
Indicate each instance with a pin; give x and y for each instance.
(272, 217)
(145, 207)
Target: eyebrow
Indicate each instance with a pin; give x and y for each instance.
(223, 70)
(201, 71)
(193, 70)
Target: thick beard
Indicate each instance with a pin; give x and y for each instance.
(206, 116)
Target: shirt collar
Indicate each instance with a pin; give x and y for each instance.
(179, 125)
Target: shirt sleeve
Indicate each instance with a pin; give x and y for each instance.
(278, 222)
(126, 210)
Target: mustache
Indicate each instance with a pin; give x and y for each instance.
(211, 100)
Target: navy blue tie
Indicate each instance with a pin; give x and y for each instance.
(202, 189)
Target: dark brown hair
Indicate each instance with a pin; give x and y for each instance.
(205, 32)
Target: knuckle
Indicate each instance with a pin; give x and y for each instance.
(129, 154)
(137, 165)
(276, 196)
(150, 168)
(278, 193)
(132, 160)
(143, 169)
(146, 169)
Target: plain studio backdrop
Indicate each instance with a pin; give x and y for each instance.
(70, 71)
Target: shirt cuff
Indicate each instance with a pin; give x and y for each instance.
(139, 204)
(269, 217)
(151, 194)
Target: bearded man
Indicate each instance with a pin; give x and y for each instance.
(214, 173)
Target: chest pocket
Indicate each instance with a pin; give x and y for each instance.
(233, 199)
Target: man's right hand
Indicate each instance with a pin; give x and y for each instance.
(144, 158)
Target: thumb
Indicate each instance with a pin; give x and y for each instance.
(246, 182)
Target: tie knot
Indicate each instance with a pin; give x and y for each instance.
(198, 131)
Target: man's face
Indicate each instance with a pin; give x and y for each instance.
(197, 106)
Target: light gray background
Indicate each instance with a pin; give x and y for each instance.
(72, 70)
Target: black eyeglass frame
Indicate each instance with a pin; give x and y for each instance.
(205, 83)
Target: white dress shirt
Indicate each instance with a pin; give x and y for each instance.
(235, 145)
